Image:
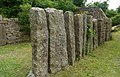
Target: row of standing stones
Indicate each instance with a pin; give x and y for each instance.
(58, 40)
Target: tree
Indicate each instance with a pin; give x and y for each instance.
(111, 13)
(116, 20)
(103, 5)
(118, 9)
(79, 3)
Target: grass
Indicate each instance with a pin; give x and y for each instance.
(102, 62)
(15, 61)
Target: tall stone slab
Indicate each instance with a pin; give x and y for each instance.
(2, 33)
(58, 58)
(95, 38)
(70, 32)
(84, 34)
(78, 23)
(89, 34)
(39, 39)
(100, 26)
(104, 29)
(62, 40)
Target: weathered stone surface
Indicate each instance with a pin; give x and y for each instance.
(0, 17)
(69, 26)
(100, 25)
(58, 58)
(108, 29)
(61, 36)
(95, 38)
(39, 38)
(78, 21)
(89, 45)
(2, 35)
(84, 34)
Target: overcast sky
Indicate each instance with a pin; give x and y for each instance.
(113, 4)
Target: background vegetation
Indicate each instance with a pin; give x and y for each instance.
(20, 8)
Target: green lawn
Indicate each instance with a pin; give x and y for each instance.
(15, 61)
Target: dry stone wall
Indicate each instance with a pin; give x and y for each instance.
(10, 31)
(60, 39)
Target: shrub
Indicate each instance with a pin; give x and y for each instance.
(24, 17)
(116, 20)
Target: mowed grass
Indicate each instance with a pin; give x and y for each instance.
(15, 61)
(102, 62)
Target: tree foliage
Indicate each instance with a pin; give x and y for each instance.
(20, 8)
(116, 20)
(103, 5)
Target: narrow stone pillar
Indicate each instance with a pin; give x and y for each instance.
(39, 39)
(62, 39)
(84, 34)
(89, 33)
(58, 58)
(69, 26)
(95, 38)
(78, 20)
(100, 24)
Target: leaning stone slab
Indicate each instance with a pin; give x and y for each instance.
(58, 58)
(69, 26)
(100, 34)
(62, 40)
(39, 39)
(84, 34)
(89, 45)
(78, 21)
(95, 38)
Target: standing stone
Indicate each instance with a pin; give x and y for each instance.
(78, 21)
(62, 40)
(100, 24)
(84, 34)
(69, 26)
(90, 33)
(39, 38)
(95, 38)
(2, 34)
(104, 29)
(57, 40)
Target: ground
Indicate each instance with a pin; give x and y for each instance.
(15, 61)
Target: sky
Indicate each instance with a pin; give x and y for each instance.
(113, 4)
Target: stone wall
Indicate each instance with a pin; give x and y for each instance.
(10, 31)
(60, 39)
